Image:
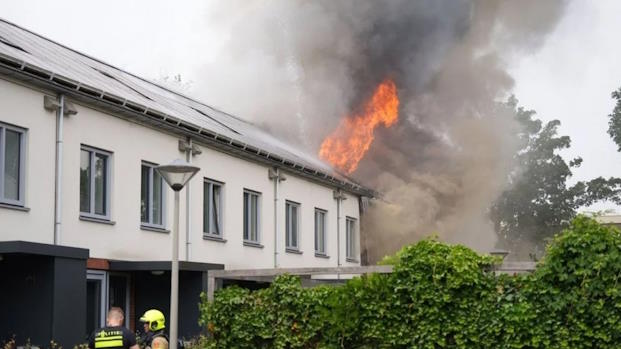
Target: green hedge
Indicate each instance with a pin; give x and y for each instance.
(440, 296)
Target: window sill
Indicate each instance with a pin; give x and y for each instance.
(351, 260)
(252, 244)
(155, 229)
(321, 255)
(14, 207)
(97, 220)
(293, 250)
(213, 238)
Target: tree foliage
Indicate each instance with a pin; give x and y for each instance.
(614, 122)
(440, 296)
(539, 201)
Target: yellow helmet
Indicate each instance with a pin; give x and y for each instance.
(155, 319)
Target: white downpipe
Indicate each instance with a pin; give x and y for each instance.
(275, 175)
(339, 197)
(188, 243)
(276, 219)
(60, 112)
(338, 231)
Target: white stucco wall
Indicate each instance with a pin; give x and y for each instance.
(23, 107)
(130, 144)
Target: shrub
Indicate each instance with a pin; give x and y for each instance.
(439, 296)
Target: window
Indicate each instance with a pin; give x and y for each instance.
(320, 231)
(292, 225)
(94, 183)
(151, 196)
(12, 165)
(350, 238)
(251, 216)
(212, 208)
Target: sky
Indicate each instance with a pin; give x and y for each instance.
(569, 78)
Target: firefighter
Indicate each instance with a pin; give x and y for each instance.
(154, 323)
(114, 335)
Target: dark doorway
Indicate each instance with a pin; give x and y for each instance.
(93, 305)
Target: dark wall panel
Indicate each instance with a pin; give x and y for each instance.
(153, 292)
(26, 298)
(69, 302)
(190, 288)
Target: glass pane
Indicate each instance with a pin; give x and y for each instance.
(321, 231)
(156, 215)
(206, 201)
(294, 226)
(117, 291)
(246, 216)
(11, 165)
(316, 231)
(347, 238)
(100, 184)
(93, 305)
(144, 194)
(215, 212)
(254, 218)
(287, 225)
(85, 181)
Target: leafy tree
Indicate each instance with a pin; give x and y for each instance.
(540, 202)
(614, 124)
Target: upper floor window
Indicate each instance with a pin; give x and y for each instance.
(212, 208)
(252, 210)
(12, 165)
(292, 227)
(320, 231)
(94, 183)
(151, 196)
(350, 239)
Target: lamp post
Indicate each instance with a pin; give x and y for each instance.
(177, 174)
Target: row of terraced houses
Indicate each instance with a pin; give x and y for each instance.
(85, 220)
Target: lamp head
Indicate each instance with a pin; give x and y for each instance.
(177, 173)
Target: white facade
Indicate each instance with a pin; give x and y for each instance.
(130, 144)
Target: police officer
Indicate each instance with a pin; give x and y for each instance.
(154, 323)
(114, 335)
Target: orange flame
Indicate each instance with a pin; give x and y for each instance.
(346, 146)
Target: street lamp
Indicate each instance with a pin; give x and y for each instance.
(177, 174)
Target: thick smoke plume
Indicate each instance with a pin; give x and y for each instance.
(298, 67)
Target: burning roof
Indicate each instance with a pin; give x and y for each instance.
(29, 56)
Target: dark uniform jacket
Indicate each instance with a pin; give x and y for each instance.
(112, 338)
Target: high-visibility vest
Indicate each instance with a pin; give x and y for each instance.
(109, 339)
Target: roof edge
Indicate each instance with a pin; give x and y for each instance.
(37, 76)
(36, 248)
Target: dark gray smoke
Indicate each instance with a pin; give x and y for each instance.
(298, 67)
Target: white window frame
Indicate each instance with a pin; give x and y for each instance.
(22, 164)
(209, 231)
(249, 224)
(150, 198)
(323, 250)
(351, 250)
(102, 277)
(108, 192)
(289, 227)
